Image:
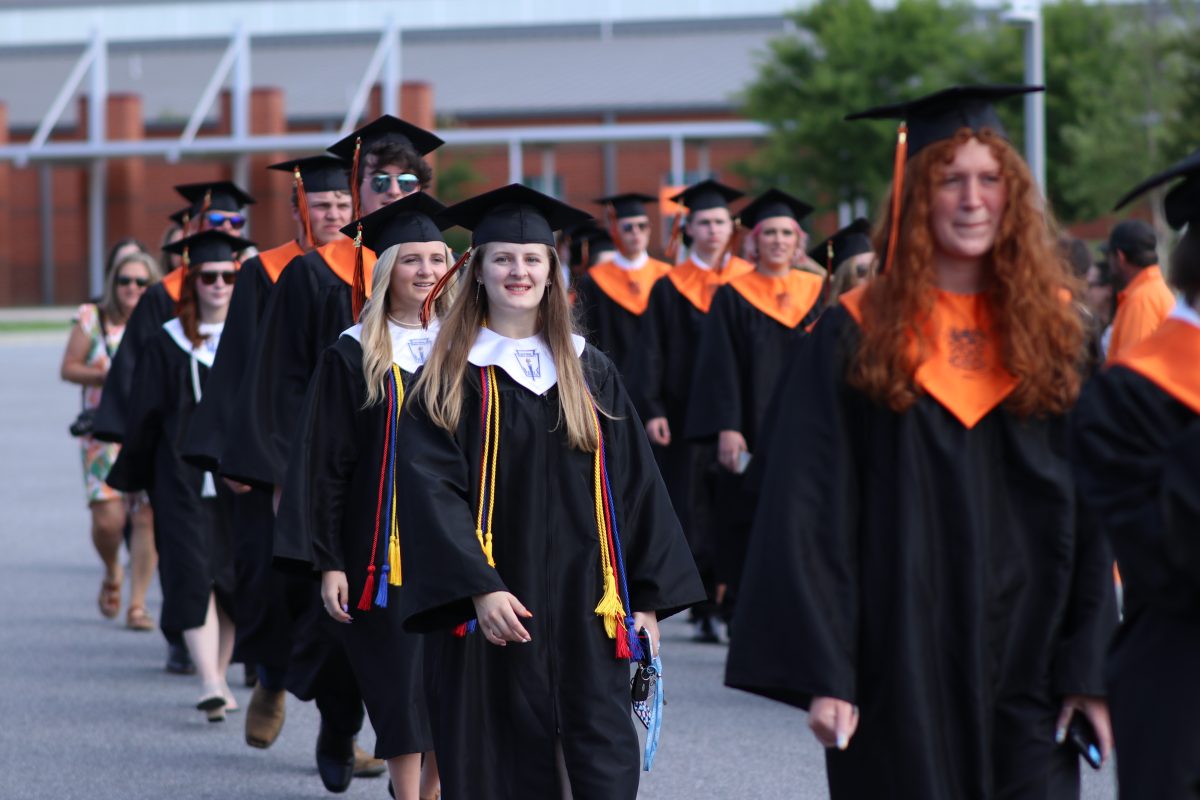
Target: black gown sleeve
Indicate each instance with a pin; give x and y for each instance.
(146, 321)
(717, 402)
(434, 492)
(661, 573)
(1181, 507)
(308, 528)
(795, 629)
(133, 470)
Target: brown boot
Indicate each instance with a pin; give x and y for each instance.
(366, 765)
(264, 717)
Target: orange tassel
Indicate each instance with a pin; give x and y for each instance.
(204, 207)
(358, 291)
(302, 207)
(672, 251)
(897, 193)
(732, 247)
(431, 298)
(355, 200)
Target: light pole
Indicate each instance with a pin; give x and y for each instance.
(1027, 14)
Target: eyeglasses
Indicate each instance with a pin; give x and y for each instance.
(125, 280)
(210, 278)
(630, 227)
(407, 182)
(235, 221)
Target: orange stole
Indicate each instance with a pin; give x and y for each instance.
(1170, 359)
(699, 285)
(786, 299)
(630, 289)
(275, 259)
(173, 282)
(963, 369)
(339, 255)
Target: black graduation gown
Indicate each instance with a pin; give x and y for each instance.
(333, 493)
(609, 326)
(498, 711)
(1183, 505)
(263, 623)
(195, 550)
(155, 307)
(862, 582)
(742, 353)
(1125, 432)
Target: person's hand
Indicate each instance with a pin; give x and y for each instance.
(235, 486)
(659, 431)
(335, 595)
(649, 621)
(832, 721)
(730, 446)
(1096, 711)
(499, 615)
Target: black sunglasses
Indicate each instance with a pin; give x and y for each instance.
(630, 227)
(210, 278)
(235, 221)
(407, 182)
(125, 280)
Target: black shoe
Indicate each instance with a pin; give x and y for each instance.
(706, 631)
(250, 675)
(335, 760)
(179, 662)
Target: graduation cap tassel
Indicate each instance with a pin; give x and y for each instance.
(358, 296)
(897, 193)
(733, 246)
(364, 602)
(395, 577)
(302, 206)
(204, 207)
(355, 200)
(385, 467)
(672, 251)
(632, 649)
(431, 298)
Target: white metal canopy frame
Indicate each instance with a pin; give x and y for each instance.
(267, 20)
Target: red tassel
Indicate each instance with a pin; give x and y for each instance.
(364, 602)
(355, 200)
(358, 291)
(461, 631)
(622, 643)
(897, 193)
(431, 298)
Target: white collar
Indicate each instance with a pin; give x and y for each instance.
(528, 361)
(204, 352)
(624, 263)
(410, 346)
(1184, 311)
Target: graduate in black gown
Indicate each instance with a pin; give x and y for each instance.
(751, 332)
(848, 258)
(337, 491)
(613, 295)
(321, 207)
(191, 510)
(918, 577)
(662, 365)
(317, 297)
(1131, 421)
(541, 536)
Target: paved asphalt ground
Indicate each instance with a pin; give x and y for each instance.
(86, 710)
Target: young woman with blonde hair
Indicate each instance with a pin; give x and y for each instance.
(542, 537)
(341, 488)
(946, 610)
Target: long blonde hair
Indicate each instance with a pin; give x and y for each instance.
(376, 339)
(442, 381)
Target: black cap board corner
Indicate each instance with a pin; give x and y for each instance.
(1182, 202)
(940, 115)
(217, 195)
(410, 219)
(321, 173)
(773, 203)
(705, 195)
(513, 213)
(208, 246)
(386, 129)
(852, 240)
(627, 204)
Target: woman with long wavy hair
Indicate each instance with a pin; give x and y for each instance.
(543, 540)
(917, 535)
(339, 495)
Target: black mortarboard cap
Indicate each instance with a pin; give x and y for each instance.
(181, 217)
(409, 219)
(705, 195)
(220, 195)
(940, 115)
(512, 213)
(773, 203)
(629, 204)
(852, 240)
(208, 246)
(319, 173)
(387, 129)
(1182, 203)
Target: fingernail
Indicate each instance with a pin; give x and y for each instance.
(345, 608)
(842, 741)
(1060, 735)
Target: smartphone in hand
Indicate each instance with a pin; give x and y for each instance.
(1082, 736)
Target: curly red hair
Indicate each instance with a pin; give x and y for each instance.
(1041, 336)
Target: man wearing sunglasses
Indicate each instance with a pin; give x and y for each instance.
(614, 293)
(314, 301)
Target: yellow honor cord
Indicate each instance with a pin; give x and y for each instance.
(490, 458)
(395, 576)
(609, 608)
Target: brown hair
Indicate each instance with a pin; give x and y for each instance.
(441, 383)
(188, 309)
(1041, 336)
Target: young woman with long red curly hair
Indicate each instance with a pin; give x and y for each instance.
(917, 538)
